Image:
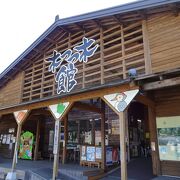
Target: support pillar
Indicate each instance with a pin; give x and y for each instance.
(93, 131)
(37, 140)
(59, 111)
(154, 142)
(56, 149)
(16, 146)
(103, 146)
(65, 140)
(122, 123)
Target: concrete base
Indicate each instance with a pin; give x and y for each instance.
(11, 176)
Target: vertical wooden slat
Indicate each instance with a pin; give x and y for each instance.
(22, 86)
(147, 57)
(102, 55)
(42, 81)
(123, 53)
(54, 82)
(30, 97)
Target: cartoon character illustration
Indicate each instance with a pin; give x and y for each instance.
(26, 145)
(120, 103)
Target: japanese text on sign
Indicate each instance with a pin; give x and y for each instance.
(65, 73)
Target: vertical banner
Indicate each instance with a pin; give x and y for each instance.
(20, 115)
(56, 136)
(120, 100)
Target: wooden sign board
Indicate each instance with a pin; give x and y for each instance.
(58, 110)
(20, 115)
(120, 100)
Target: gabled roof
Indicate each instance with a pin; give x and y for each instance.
(137, 5)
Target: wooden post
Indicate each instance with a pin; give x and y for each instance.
(122, 128)
(93, 131)
(154, 142)
(56, 149)
(16, 146)
(65, 139)
(127, 135)
(37, 141)
(103, 165)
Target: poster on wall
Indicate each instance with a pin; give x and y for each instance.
(98, 138)
(90, 151)
(115, 126)
(109, 156)
(88, 137)
(26, 145)
(8, 138)
(83, 153)
(98, 152)
(168, 130)
(115, 154)
(4, 139)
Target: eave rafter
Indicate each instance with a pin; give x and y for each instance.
(50, 40)
(117, 19)
(80, 26)
(175, 9)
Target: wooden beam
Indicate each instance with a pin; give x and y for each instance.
(145, 100)
(69, 98)
(86, 107)
(162, 84)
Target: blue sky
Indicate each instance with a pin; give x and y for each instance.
(22, 22)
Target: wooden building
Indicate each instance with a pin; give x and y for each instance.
(137, 46)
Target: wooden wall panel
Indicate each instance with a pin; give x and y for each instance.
(168, 102)
(164, 41)
(11, 93)
(170, 168)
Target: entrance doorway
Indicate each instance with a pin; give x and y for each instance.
(139, 134)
